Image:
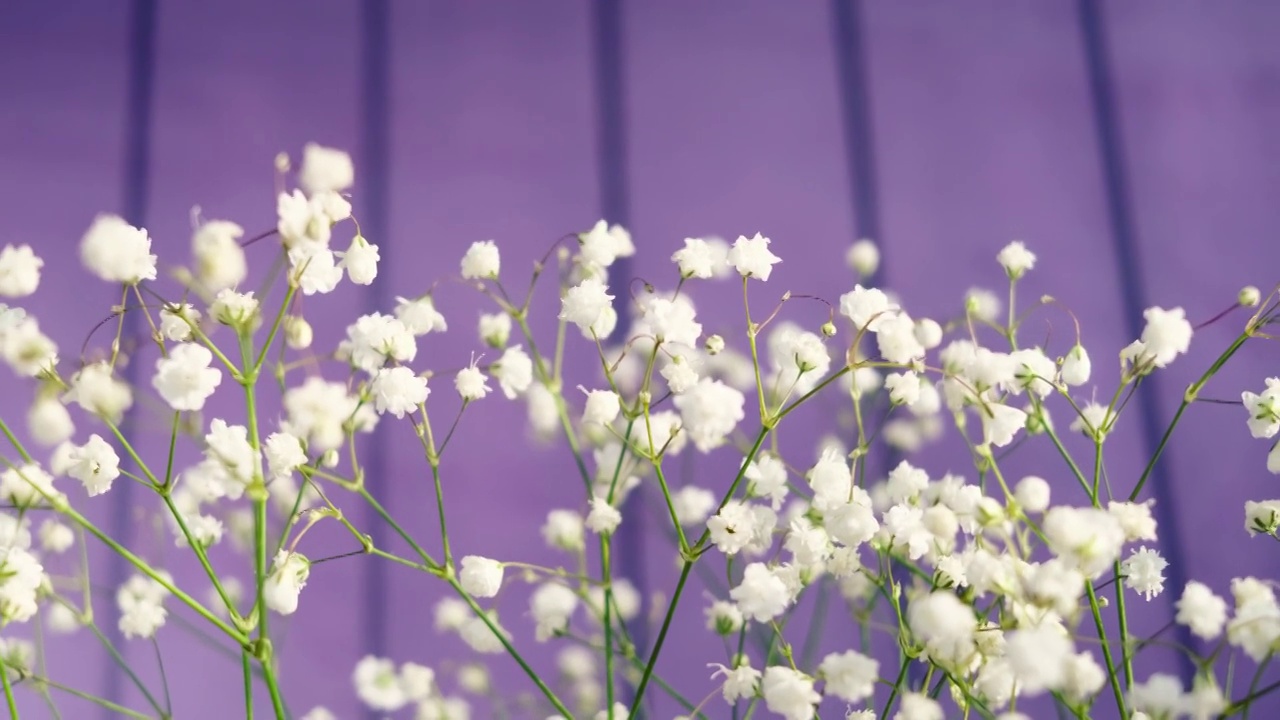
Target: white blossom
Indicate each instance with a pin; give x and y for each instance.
(117, 252)
(751, 257)
(481, 576)
(284, 584)
(481, 261)
(398, 390)
(325, 169)
(19, 271)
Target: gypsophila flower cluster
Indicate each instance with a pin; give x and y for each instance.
(965, 590)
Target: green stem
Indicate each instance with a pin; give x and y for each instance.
(8, 690)
(248, 685)
(1126, 658)
(662, 636)
(102, 702)
(1106, 648)
(202, 555)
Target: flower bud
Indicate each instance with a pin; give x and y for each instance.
(828, 329)
(714, 345)
(1249, 296)
(297, 332)
(863, 257)
(1076, 366)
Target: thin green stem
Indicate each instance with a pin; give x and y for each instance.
(8, 689)
(1096, 609)
(248, 685)
(202, 556)
(101, 702)
(662, 637)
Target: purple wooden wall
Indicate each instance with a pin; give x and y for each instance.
(1133, 145)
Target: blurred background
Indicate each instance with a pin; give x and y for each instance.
(1132, 145)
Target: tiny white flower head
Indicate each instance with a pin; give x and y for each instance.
(697, 259)
(361, 261)
(95, 464)
(1263, 409)
(96, 391)
(56, 537)
(552, 605)
(1016, 259)
(740, 682)
(1262, 517)
(1032, 494)
(1249, 296)
(714, 345)
(564, 529)
(789, 693)
(494, 329)
(983, 304)
(184, 378)
(288, 577)
(220, 261)
(481, 261)
(420, 315)
(49, 422)
(325, 169)
(585, 304)
(1202, 611)
(1144, 572)
(239, 310)
(377, 684)
(284, 453)
(692, 504)
(19, 271)
(176, 320)
(604, 518)
(481, 576)
(1166, 335)
(850, 675)
(602, 407)
(514, 372)
(297, 332)
(398, 390)
(751, 257)
(471, 383)
(118, 252)
(603, 244)
(762, 595)
(315, 269)
(863, 257)
(1076, 366)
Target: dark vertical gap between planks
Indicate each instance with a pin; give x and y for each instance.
(615, 203)
(137, 179)
(375, 122)
(1133, 288)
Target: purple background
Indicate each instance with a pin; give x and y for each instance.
(1132, 145)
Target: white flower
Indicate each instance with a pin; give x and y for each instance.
(118, 252)
(420, 315)
(1016, 259)
(831, 480)
(679, 374)
(184, 379)
(315, 269)
(602, 407)
(762, 595)
(709, 411)
(1000, 423)
(603, 244)
(1076, 366)
(514, 371)
(1087, 538)
(235, 309)
(361, 261)
(866, 307)
(751, 257)
(95, 464)
(1273, 459)
(303, 221)
(398, 390)
(904, 388)
(551, 605)
(481, 576)
(19, 271)
(1263, 409)
(766, 477)
(1032, 494)
(1166, 335)
(585, 303)
(918, 706)
(229, 446)
(692, 504)
(1038, 657)
(850, 675)
(377, 684)
(418, 681)
(48, 421)
(563, 529)
(896, 339)
(96, 391)
(284, 454)
(56, 537)
(1202, 611)
(673, 321)
(739, 682)
(945, 626)
(494, 329)
(470, 383)
(283, 586)
(481, 261)
(141, 603)
(20, 577)
(219, 259)
(789, 693)
(1082, 677)
(731, 528)
(375, 339)
(1160, 696)
(1256, 625)
(1262, 517)
(317, 410)
(724, 618)
(174, 319)
(603, 518)
(1095, 421)
(863, 257)
(982, 304)
(325, 169)
(1135, 519)
(28, 350)
(697, 259)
